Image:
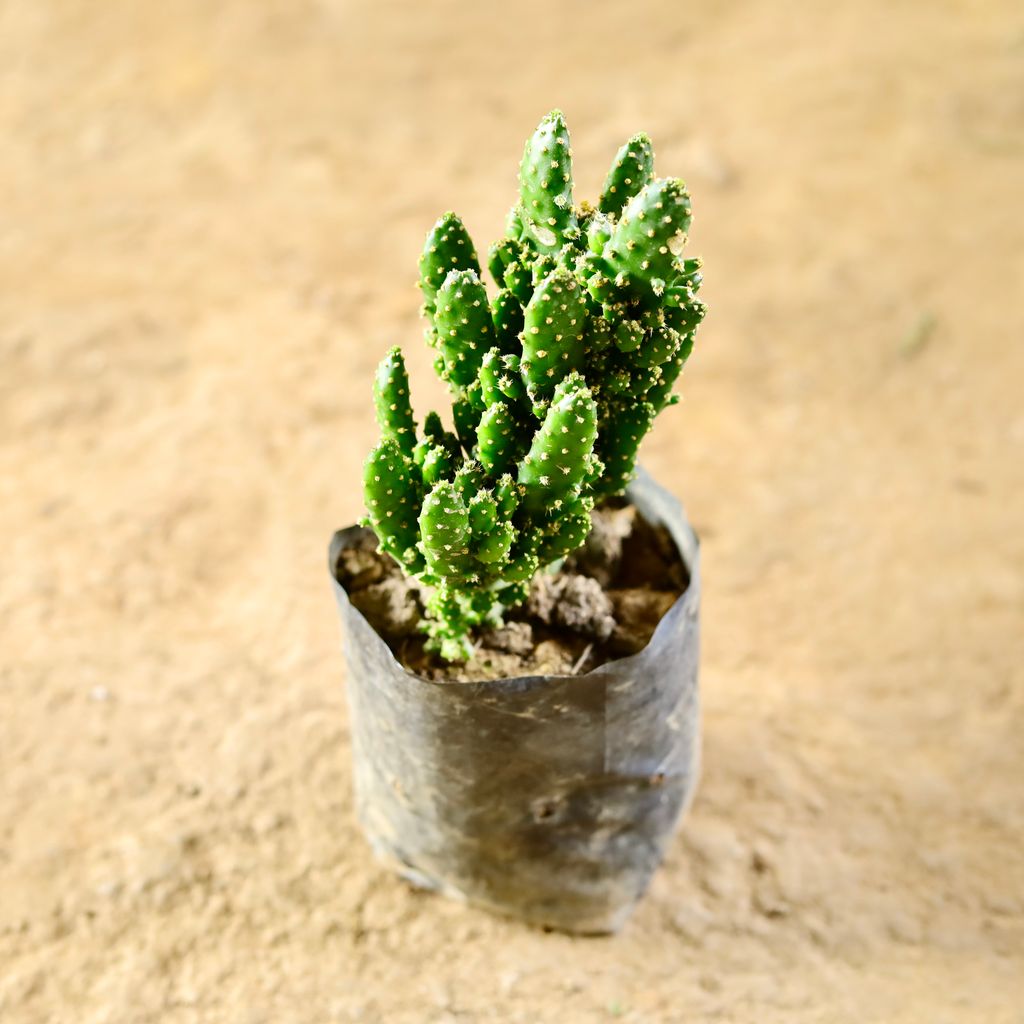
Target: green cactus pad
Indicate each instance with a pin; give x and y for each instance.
(648, 238)
(619, 447)
(521, 568)
(470, 478)
(501, 255)
(444, 531)
(448, 247)
(545, 185)
(566, 534)
(492, 549)
(466, 414)
(661, 394)
(483, 513)
(507, 494)
(462, 322)
(434, 433)
(438, 464)
(658, 346)
(507, 316)
(500, 380)
(391, 487)
(562, 448)
(631, 170)
(628, 335)
(599, 230)
(391, 399)
(496, 434)
(553, 326)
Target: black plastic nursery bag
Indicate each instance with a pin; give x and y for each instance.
(550, 798)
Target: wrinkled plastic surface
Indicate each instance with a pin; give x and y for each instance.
(549, 798)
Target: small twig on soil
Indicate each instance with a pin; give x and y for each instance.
(919, 336)
(582, 658)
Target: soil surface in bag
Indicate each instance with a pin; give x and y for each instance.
(604, 602)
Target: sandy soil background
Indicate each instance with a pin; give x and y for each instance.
(211, 215)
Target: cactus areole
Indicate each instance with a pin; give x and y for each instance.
(556, 374)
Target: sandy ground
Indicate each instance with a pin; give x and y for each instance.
(210, 220)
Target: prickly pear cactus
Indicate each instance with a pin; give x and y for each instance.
(555, 379)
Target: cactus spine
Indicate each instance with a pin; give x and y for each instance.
(555, 380)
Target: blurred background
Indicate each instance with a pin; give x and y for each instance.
(211, 220)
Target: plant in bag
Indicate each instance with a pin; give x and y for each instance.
(528, 786)
(555, 378)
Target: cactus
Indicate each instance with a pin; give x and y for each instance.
(555, 379)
